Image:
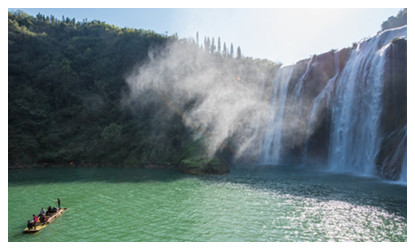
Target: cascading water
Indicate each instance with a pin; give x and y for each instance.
(403, 176)
(402, 147)
(356, 110)
(318, 106)
(300, 84)
(398, 156)
(351, 101)
(272, 140)
(298, 100)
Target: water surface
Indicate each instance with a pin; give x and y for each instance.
(264, 204)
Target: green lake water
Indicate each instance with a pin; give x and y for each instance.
(263, 204)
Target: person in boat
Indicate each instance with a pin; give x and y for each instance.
(54, 209)
(49, 212)
(43, 218)
(59, 203)
(42, 212)
(35, 219)
(29, 225)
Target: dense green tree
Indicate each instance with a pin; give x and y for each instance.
(66, 89)
(66, 80)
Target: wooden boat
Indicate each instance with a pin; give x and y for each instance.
(42, 225)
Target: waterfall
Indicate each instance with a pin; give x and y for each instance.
(354, 139)
(342, 112)
(318, 106)
(402, 177)
(297, 101)
(272, 138)
(300, 84)
(400, 155)
(402, 147)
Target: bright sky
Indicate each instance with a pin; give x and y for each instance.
(280, 35)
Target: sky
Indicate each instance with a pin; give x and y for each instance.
(278, 34)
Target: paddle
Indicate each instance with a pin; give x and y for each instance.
(54, 201)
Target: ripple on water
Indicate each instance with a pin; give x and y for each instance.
(224, 208)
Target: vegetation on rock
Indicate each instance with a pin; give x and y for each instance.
(66, 84)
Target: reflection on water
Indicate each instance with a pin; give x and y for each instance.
(251, 204)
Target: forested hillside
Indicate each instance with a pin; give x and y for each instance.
(66, 90)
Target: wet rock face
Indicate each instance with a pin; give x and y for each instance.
(319, 141)
(322, 69)
(394, 95)
(390, 158)
(313, 75)
(394, 112)
(344, 55)
(343, 109)
(393, 118)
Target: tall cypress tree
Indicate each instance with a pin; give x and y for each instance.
(207, 44)
(225, 50)
(213, 46)
(219, 45)
(238, 53)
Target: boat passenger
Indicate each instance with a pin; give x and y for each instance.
(42, 212)
(54, 209)
(49, 212)
(29, 225)
(59, 203)
(35, 219)
(43, 218)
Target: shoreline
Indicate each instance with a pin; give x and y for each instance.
(88, 165)
(189, 171)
